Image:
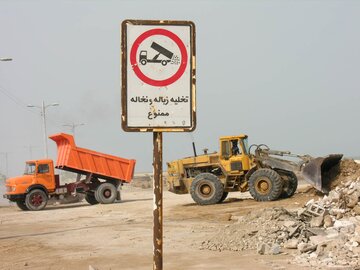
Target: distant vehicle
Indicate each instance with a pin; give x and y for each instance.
(103, 173)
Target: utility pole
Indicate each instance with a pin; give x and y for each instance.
(73, 126)
(43, 108)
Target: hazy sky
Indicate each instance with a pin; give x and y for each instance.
(284, 72)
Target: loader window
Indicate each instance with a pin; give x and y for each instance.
(245, 145)
(235, 150)
(29, 168)
(225, 149)
(43, 168)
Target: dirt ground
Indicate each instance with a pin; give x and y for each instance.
(119, 236)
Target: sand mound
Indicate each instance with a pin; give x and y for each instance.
(348, 170)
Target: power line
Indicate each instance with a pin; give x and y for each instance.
(15, 99)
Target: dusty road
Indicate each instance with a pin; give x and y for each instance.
(119, 236)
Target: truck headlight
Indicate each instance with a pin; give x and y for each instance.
(10, 188)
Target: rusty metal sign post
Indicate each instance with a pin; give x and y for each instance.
(158, 93)
(158, 202)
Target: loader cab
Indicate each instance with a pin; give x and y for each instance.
(234, 153)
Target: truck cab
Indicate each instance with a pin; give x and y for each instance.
(38, 174)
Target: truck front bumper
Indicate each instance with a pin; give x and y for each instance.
(14, 197)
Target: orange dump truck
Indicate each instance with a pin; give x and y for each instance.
(99, 176)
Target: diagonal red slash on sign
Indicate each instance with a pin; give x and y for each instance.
(135, 64)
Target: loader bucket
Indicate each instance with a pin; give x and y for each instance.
(316, 172)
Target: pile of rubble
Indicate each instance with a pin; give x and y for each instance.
(268, 229)
(324, 233)
(334, 222)
(347, 170)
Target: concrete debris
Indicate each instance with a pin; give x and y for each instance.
(262, 247)
(266, 249)
(325, 233)
(356, 210)
(317, 221)
(291, 244)
(328, 221)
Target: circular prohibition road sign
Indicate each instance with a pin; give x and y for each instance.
(135, 64)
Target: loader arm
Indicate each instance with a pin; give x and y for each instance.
(315, 171)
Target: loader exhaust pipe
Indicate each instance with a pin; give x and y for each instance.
(194, 149)
(316, 171)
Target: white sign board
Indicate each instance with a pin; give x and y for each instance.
(158, 75)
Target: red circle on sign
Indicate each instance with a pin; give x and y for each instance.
(135, 64)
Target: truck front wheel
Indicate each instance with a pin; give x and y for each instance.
(206, 189)
(21, 204)
(265, 185)
(106, 193)
(36, 200)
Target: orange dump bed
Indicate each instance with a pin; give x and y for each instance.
(84, 161)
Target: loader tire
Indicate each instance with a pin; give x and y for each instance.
(290, 186)
(90, 198)
(206, 189)
(21, 204)
(106, 193)
(223, 197)
(265, 185)
(36, 200)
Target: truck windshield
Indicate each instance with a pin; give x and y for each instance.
(30, 168)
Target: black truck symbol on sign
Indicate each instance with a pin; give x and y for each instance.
(161, 50)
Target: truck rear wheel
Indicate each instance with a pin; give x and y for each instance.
(21, 204)
(90, 198)
(206, 189)
(106, 193)
(265, 185)
(36, 200)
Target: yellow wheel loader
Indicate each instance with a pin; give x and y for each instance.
(267, 174)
